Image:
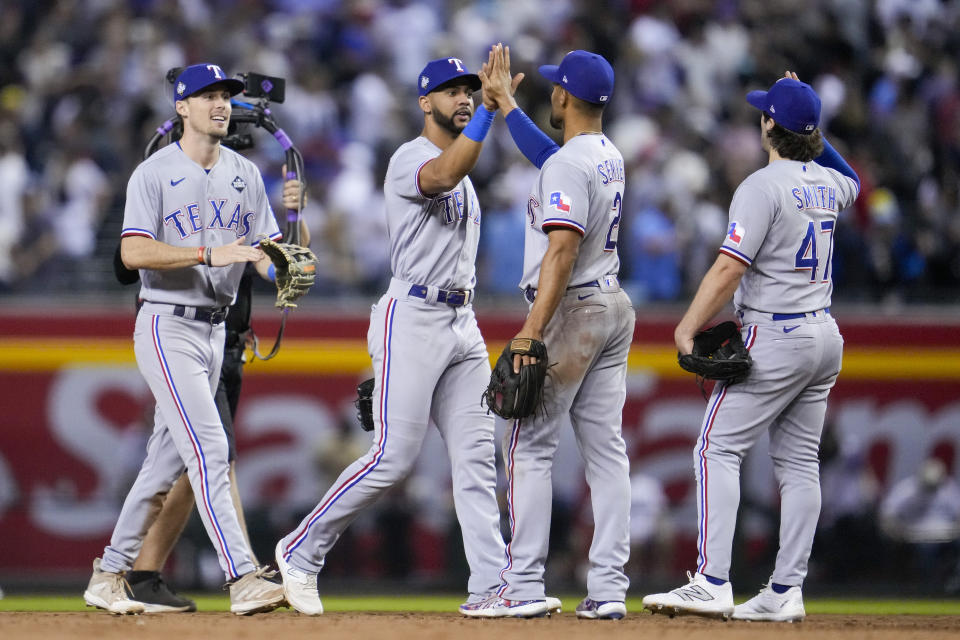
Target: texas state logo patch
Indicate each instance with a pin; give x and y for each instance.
(735, 233)
(560, 201)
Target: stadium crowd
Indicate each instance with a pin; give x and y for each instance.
(82, 88)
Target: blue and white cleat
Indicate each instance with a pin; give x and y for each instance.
(603, 610)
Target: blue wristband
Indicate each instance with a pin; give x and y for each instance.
(272, 273)
(479, 124)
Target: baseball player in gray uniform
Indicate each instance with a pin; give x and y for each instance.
(775, 263)
(193, 212)
(429, 359)
(579, 311)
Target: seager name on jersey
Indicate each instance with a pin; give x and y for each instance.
(188, 220)
(815, 197)
(611, 170)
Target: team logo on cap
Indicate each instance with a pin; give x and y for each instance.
(424, 81)
(181, 88)
(238, 184)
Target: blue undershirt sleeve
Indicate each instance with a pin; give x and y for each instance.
(534, 144)
(831, 159)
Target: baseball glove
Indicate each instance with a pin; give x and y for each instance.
(718, 354)
(296, 269)
(364, 404)
(517, 395)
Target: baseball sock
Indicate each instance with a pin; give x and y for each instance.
(712, 580)
(779, 588)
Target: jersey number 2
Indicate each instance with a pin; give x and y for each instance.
(807, 259)
(614, 224)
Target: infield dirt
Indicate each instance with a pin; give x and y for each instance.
(286, 625)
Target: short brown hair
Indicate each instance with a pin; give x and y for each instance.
(795, 146)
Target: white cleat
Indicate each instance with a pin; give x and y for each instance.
(299, 587)
(497, 607)
(770, 606)
(110, 591)
(699, 598)
(554, 605)
(254, 592)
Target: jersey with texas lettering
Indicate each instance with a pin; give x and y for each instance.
(782, 220)
(173, 199)
(433, 237)
(580, 187)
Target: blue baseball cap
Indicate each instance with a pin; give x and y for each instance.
(792, 104)
(441, 72)
(586, 75)
(200, 76)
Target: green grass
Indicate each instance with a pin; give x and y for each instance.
(448, 604)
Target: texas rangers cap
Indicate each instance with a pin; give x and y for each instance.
(441, 72)
(792, 104)
(200, 76)
(586, 75)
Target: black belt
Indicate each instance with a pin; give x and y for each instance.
(213, 316)
(531, 294)
(452, 298)
(796, 316)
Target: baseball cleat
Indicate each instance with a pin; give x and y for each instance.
(554, 605)
(157, 597)
(770, 606)
(601, 610)
(254, 592)
(497, 607)
(110, 591)
(699, 597)
(299, 587)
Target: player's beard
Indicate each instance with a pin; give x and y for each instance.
(446, 122)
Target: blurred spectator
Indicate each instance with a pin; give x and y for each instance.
(82, 86)
(922, 511)
(14, 179)
(847, 542)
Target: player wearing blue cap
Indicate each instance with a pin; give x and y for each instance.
(193, 212)
(429, 360)
(775, 262)
(586, 320)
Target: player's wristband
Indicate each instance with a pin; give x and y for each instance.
(200, 252)
(478, 126)
(208, 256)
(272, 272)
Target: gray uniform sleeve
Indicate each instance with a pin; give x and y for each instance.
(266, 221)
(752, 212)
(846, 187)
(566, 196)
(142, 211)
(403, 175)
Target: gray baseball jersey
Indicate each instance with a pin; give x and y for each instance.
(179, 339)
(782, 219)
(433, 245)
(433, 237)
(581, 188)
(174, 200)
(789, 209)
